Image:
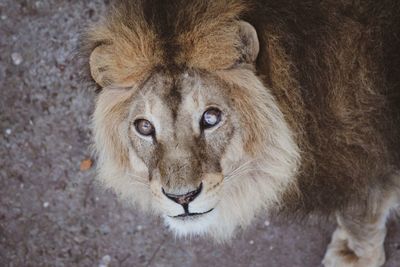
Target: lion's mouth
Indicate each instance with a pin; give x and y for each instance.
(190, 214)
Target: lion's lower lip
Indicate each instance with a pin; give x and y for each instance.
(190, 214)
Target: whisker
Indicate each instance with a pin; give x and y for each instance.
(229, 179)
(242, 172)
(139, 182)
(239, 168)
(142, 184)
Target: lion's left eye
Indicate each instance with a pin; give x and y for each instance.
(144, 127)
(211, 118)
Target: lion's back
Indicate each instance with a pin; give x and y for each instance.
(334, 68)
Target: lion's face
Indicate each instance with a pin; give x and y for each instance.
(204, 144)
(184, 131)
(205, 151)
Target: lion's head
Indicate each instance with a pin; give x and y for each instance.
(183, 125)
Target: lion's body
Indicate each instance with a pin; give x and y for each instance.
(334, 68)
(309, 92)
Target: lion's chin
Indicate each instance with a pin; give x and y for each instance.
(195, 224)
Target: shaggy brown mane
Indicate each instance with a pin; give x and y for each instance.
(142, 35)
(332, 66)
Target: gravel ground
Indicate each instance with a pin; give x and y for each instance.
(51, 212)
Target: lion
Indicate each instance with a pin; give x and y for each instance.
(209, 113)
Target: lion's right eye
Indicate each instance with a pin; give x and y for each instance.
(144, 127)
(210, 118)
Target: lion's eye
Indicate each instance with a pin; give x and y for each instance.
(144, 127)
(211, 118)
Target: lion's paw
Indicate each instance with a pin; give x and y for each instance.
(339, 254)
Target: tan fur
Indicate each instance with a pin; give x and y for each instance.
(358, 240)
(209, 45)
(122, 56)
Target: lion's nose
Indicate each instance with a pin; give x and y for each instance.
(185, 198)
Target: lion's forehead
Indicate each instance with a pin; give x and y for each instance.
(178, 98)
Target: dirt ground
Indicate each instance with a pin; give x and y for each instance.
(54, 214)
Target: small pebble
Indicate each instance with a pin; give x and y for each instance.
(271, 247)
(251, 242)
(46, 204)
(86, 165)
(105, 261)
(8, 131)
(105, 229)
(139, 228)
(79, 239)
(3, 17)
(267, 223)
(16, 58)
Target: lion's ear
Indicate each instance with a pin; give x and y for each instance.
(249, 46)
(99, 65)
(122, 64)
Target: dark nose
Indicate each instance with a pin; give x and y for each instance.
(185, 198)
